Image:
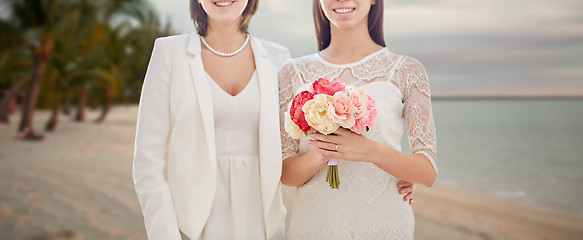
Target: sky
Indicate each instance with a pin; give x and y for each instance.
(469, 48)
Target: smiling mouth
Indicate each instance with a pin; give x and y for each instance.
(343, 10)
(224, 3)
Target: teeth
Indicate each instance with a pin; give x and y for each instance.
(343, 10)
(223, 4)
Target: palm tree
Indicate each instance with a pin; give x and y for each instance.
(40, 22)
(70, 51)
(126, 55)
(13, 65)
(118, 52)
(112, 64)
(140, 40)
(86, 48)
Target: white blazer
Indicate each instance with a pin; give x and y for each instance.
(176, 111)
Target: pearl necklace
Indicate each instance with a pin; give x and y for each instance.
(225, 54)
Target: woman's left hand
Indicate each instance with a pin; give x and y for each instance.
(344, 144)
(407, 189)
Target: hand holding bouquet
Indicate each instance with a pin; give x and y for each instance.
(326, 105)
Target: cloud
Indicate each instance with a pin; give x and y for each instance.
(493, 47)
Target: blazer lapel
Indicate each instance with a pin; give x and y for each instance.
(203, 96)
(269, 138)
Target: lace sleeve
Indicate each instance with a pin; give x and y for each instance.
(417, 111)
(287, 76)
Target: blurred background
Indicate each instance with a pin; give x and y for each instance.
(507, 87)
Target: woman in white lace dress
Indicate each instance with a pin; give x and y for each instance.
(367, 205)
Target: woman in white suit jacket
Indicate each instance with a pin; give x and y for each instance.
(179, 133)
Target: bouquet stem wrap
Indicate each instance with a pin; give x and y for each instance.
(332, 175)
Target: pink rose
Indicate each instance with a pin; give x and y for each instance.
(295, 110)
(368, 117)
(324, 86)
(359, 126)
(343, 110)
(358, 100)
(371, 108)
(365, 121)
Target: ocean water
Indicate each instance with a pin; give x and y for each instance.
(525, 150)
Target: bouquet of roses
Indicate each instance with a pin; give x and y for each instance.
(326, 105)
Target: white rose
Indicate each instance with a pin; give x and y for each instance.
(292, 128)
(319, 113)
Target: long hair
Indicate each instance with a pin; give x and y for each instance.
(322, 24)
(198, 15)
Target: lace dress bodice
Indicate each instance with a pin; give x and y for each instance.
(367, 205)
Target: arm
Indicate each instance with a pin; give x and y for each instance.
(409, 167)
(296, 170)
(151, 136)
(419, 122)
(413, 168)
(417, 167)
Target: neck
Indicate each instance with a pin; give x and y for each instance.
(224, 37)
(348, 45)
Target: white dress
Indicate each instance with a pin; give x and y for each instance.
(367, 205)
(237, 211)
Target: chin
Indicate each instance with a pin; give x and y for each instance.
(227, 19)
(348, 24)
(345, 25)
(220, 12)
(348, 20)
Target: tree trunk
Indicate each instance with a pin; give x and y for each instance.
(80, 117)
(3, 110)
(11, 103)
(41, 58)
(4, 107)
(106, 104)
(67, 106)
(8, 102)
(52, 123)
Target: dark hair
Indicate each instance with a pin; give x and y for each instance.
(198, 15)
(322, 24)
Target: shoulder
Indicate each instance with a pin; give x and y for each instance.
(405, 63)
(173, 41)
(277, 53)
(416, 71)
(288, 67)
(413, 64)
(411, 74)
(293, 63)
(272, 47)
(171, 46)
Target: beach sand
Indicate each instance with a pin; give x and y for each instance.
(77, 184)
